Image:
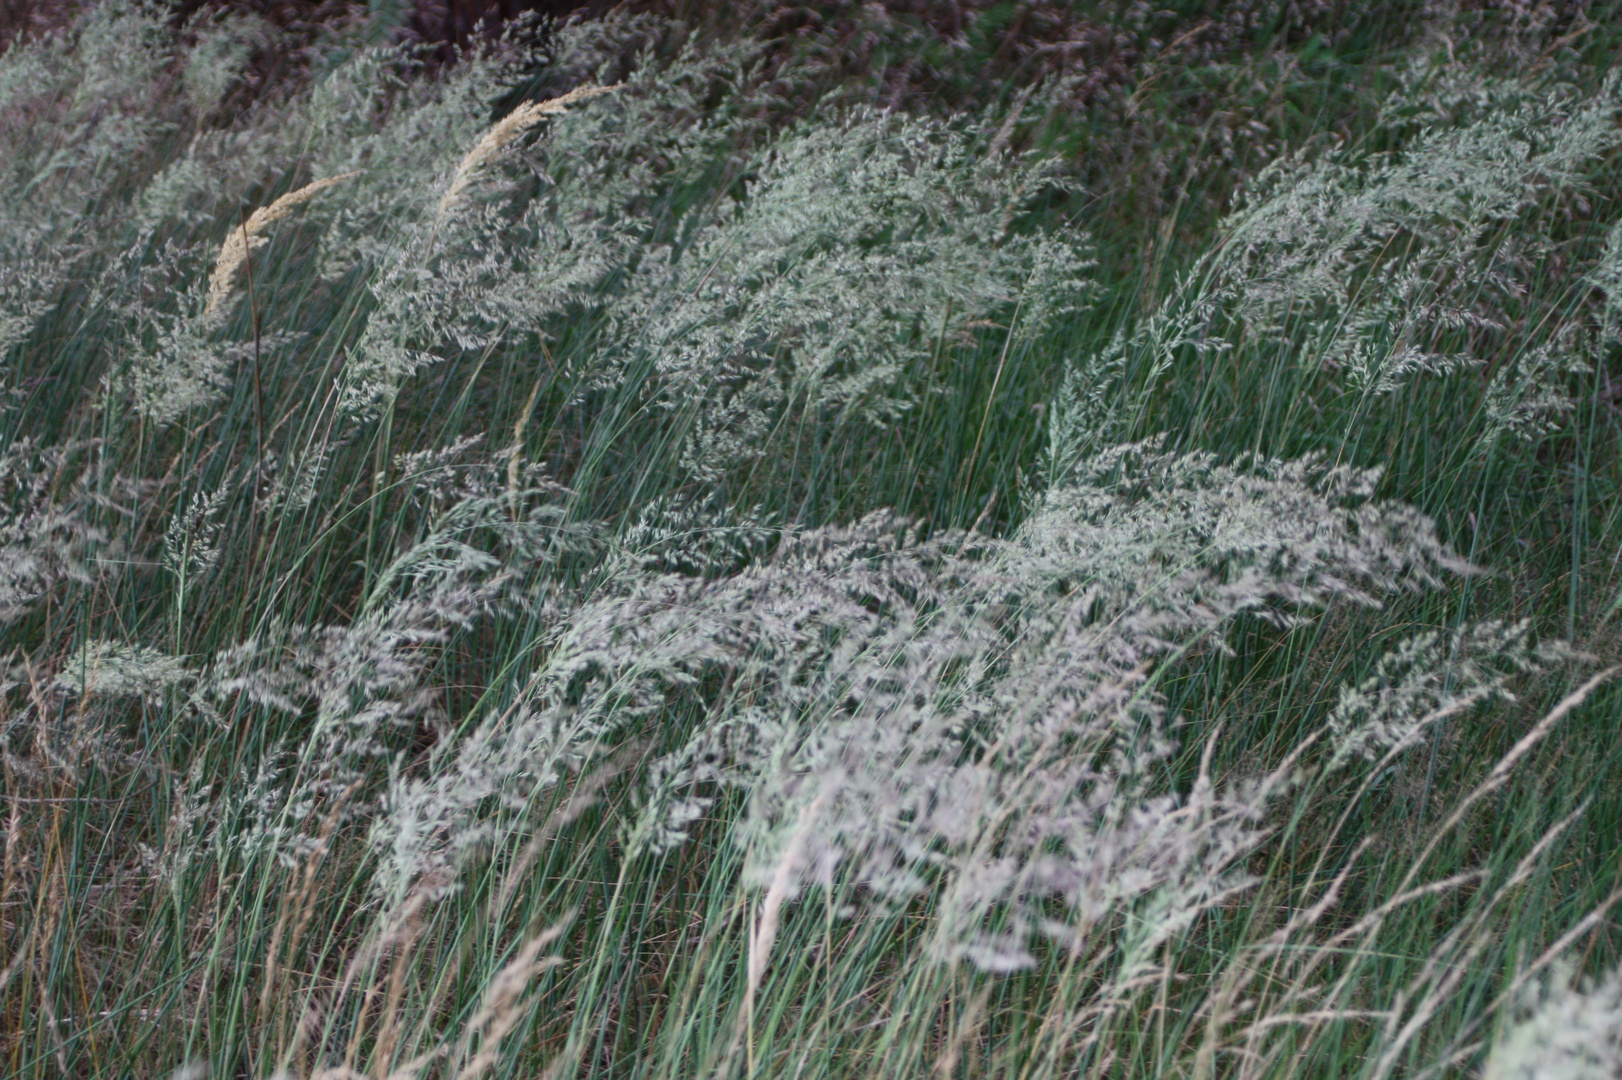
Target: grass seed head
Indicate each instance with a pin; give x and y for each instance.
(506, 130)
(248, 235)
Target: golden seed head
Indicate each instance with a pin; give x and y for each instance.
(509, 128)
(246, 237)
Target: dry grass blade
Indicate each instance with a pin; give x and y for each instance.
(504, 1003)
(1506, 766)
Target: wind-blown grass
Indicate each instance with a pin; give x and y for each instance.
(234, 252)
(643, 590)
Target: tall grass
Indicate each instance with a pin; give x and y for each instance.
(631, 584)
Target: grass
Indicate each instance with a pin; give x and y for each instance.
(720, 578)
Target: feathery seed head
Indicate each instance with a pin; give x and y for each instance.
(1573, 1033)
(246, 237)
(506, 130)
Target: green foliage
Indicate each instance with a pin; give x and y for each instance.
(688, 583)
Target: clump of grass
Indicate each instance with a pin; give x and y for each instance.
(688, 594)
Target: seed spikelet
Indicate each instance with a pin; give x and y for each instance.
(509, 128)
(234, 252)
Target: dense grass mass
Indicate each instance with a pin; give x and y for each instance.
(695, 548)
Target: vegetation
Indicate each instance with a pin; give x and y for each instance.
(812, 546)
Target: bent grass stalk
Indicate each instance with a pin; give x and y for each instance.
(504, 131)
(234, 251)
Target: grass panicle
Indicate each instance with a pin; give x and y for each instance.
(510, 127)
(239, 243)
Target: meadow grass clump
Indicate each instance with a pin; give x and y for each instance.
(643, 579)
